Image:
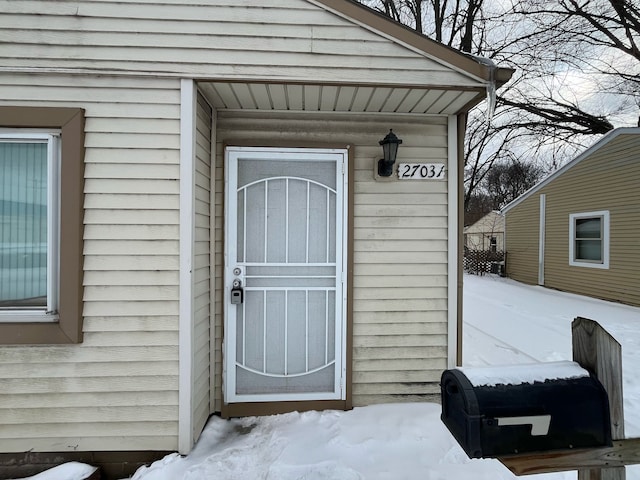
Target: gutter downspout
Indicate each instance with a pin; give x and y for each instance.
(491, 86)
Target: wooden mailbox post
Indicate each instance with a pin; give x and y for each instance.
(599, 353)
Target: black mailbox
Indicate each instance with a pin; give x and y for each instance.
(492, 419)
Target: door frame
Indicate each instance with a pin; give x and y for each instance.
(275, 403)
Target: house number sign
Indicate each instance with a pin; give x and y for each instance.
(421, 171)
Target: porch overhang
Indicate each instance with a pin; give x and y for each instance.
(349, 98)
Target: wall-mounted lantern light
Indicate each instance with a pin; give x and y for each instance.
(390, 150)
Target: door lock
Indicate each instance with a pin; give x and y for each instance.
(237, 293)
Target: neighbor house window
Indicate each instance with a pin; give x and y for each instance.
(41, 207)
(493, 244)
(589, 239)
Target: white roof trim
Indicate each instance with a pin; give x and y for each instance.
(607, 138)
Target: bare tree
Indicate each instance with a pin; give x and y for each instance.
(452, 22)
(501, 182)
(508, 180)
(597, 40)
(567, 56)
(578, 25)
(464, 25)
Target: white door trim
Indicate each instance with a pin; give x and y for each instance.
(340, 156)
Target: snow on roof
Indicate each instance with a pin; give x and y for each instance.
(522, 373)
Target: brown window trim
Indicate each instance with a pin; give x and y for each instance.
(68, 329)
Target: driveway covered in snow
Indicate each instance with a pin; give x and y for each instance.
(507, 322)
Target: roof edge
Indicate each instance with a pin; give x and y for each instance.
(607, 138)
(460, 61)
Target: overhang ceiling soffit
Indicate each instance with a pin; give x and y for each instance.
(338, 98)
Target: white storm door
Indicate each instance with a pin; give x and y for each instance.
(284, 337)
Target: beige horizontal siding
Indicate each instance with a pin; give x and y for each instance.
(129, 278)
(290, 39)
(202, 268)
(129, 263)
(131, 232)
(522, 231)
(152, 436)
(132, 201)
(217, 281)
(133, 324)
(43, 386)
(100, 399)
(131, 247)
(62, 370)
(118, 389)
(401, 391)
(400, 248)
(605, 180)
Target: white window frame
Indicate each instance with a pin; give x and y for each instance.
(52, 139)
(604, 217)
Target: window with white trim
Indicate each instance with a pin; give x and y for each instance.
(29, 225)
(589, 239)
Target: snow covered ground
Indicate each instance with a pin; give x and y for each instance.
(505, 323)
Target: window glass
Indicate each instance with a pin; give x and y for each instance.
(589, 239)
(589, 250)
(588, 227)
(23, 223)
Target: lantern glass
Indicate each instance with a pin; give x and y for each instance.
(390, 147)
(389, 150)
